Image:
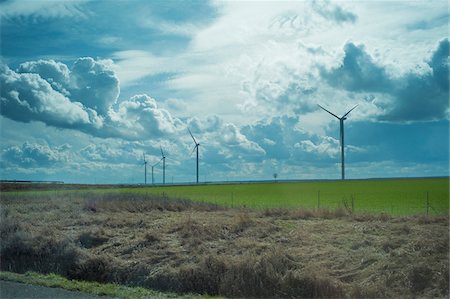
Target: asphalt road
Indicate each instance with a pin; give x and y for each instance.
(10, 290)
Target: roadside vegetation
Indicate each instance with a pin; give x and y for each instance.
(183, 246)
(100, 289)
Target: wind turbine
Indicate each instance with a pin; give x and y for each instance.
(164, 165)
(195, 148)
(145, 170)
(341, 136)
(153, 166)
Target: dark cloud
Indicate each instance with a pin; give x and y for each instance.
(276, 136)
(358, 72)
(419, 142)
(423, 97)
(411, 97)
(439, 63)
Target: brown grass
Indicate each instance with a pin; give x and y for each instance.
(182, 246)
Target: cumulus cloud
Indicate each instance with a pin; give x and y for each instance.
(95, 84)
(82, 98)
(55, 73)
(140, 117)
(34, 155)
(410, 97)
(92, 83)
(209, 123)
(328, 146)
(27, 97)
(358, 72)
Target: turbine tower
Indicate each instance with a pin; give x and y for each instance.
(145, 170)
(341, 136)
(195, 148)
(164, 165)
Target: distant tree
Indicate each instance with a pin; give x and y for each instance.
(275, 175)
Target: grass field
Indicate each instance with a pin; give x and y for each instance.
(392, 196)
(396, 196)
(139, 239)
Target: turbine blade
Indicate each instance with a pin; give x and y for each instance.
(329, 112)
(349, 111)
(195, 141)
(157, 163)
(193, 149)
(144, 157)
(162, 153)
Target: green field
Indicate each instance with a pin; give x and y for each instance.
(391, 196)
(394, 196)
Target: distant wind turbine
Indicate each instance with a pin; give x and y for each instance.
(195, 148)
(164, 165)
(145, 170)
(341, 136)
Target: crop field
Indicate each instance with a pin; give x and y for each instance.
(394, 196)
(391, 196)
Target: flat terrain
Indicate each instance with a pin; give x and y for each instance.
(393, 196)
(136, 238)
(416, 196)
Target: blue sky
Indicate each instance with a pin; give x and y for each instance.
(87, 87)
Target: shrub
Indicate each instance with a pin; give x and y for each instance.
(21, 252)
(90, 239)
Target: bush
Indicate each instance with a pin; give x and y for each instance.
(90, 239)
(20, 252)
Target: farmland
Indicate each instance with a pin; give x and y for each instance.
(157, 238)
(392, 196)
(396, 196)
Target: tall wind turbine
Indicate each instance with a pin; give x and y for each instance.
(341, 136)
(195, 148)
(164, 165)
(145, 170)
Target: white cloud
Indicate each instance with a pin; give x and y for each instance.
(133, 65)
(27, 97)
(81, 98)
(34, 155)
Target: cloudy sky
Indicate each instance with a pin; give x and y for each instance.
(87, 87)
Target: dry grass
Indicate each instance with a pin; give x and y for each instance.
(182, 246)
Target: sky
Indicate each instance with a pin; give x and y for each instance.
(88, 87)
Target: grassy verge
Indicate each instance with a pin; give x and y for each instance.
(94, 288)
